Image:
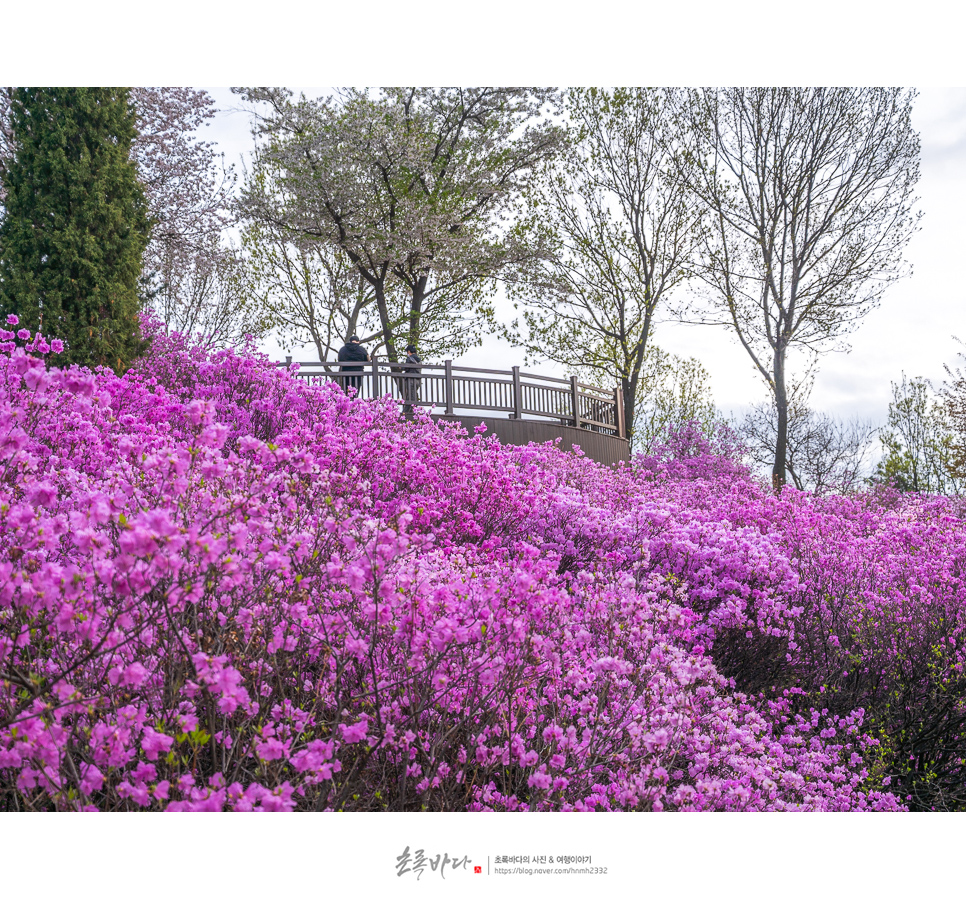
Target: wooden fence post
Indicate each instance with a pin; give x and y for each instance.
(375, 377)
(517, 394)
(575, 401)
(449, 386)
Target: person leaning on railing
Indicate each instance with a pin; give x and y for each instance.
(411, 380)
(352, 374)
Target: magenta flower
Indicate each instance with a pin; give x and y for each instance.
(354, 733)
(271, 749)
(155, 744)
(133, 675)
(244, 592)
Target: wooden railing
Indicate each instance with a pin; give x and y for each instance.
(446, 386)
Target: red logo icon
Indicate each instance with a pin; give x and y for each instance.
(478, 870)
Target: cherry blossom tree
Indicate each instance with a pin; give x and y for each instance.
(188, 192)
(305, 289)
(415, 185)
(210, 298)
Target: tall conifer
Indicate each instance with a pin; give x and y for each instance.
(75, 225)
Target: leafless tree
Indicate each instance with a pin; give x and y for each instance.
(810, 192)
(307, 291)
(618, 232)
(208, 299)
(824, 453)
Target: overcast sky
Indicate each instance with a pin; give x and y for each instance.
(507, 42)
(911, 332)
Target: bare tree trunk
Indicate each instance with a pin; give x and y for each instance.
(631, 383)
(629, 390)
(380, 291)
(416, 308)
(321, 347)
(781, 403)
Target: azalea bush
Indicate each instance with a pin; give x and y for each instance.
(221, 588)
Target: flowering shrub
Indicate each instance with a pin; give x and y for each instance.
(223, 589)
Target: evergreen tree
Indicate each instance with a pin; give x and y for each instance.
(75, 228)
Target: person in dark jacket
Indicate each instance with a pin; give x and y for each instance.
(411, 382)
(351, 374)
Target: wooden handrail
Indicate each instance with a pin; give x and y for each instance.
(451, 387)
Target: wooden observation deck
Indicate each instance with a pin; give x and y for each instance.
(517, 407)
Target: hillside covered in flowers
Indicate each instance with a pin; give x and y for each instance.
(221, 589)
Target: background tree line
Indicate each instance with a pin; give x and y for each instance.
(399, 213)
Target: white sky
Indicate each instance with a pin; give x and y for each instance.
(911, 332)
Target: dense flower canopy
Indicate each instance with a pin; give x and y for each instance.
(221, 588)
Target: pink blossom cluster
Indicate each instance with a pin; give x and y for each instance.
(222, 589)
